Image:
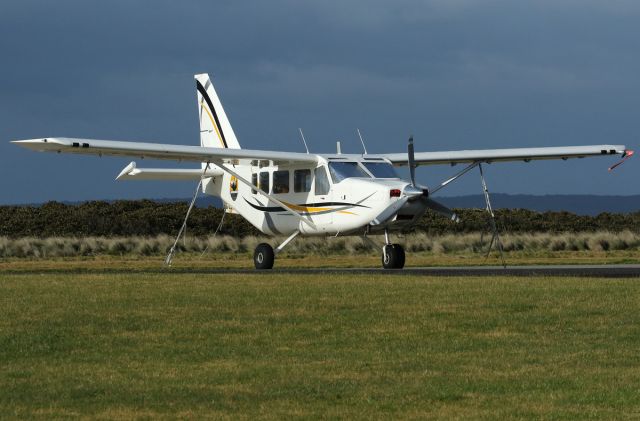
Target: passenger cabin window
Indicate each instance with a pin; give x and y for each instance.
(381, 169)
(280, 182)
(254, 181)
(341, 170)
(302, 181)
(264, 181)
(322, 182)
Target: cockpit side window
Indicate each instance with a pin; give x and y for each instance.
(302, 181)
(341, 170)
(381, 169)
(264, 181)
(322, 182)
(281, 182)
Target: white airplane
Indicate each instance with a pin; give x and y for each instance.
(289, 193)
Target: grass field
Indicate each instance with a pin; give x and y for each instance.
(276, 346)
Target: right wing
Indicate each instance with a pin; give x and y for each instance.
(503, 155)
(200, 154)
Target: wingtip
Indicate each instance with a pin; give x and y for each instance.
(29, 143)
(42, 144)
(628, 153)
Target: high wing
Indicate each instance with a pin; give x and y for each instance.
(163, 151)
(504, 155)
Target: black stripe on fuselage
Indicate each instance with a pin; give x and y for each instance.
(266, 208)
(310, 205)
(204, 94)
(315, 205)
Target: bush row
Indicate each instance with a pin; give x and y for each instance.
(149, 218)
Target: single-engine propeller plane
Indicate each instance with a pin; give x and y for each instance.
(291, 194)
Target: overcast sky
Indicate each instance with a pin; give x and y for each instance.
(457, 74)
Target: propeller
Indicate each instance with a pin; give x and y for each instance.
(424, 197)
(412, 161)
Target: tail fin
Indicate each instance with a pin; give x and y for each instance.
(215, 129)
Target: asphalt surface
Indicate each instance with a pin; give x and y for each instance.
(604, 271)
(601, 271)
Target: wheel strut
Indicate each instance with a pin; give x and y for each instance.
(264, 256)
(393, 256)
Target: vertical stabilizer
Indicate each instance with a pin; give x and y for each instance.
(215, 129)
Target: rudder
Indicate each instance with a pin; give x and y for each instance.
(215, 129)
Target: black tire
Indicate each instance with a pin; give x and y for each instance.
(401, 256)
(263, 256)
(393, 257)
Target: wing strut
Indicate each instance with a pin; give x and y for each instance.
(492, 221)
(455, 177)
(172, 252)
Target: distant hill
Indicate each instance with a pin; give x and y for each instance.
(578, 204)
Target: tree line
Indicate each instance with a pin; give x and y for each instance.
(150, 218)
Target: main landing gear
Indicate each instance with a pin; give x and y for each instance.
(264, 256)
(393, 256)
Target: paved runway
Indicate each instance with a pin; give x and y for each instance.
(601, 271)
(605, 271)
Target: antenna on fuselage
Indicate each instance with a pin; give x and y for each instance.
(303, 139)
(362, 141)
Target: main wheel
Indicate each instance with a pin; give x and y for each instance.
(263, 257)
(401, 256)
(393, 257)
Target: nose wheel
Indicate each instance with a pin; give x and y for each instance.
(393, 256)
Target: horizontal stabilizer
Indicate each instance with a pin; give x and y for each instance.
(131, 172)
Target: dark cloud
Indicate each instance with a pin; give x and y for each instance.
(456, 73)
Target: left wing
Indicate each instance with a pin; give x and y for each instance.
(504, 155)
(163, 151)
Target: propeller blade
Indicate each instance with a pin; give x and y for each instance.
(442, 210)
(412, 161)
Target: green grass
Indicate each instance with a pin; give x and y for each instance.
(279, 346)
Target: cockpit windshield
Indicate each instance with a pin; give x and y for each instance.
(341, 170)
(381, 169)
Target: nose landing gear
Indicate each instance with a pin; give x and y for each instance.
(393, 256)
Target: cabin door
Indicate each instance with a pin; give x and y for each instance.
(323, 195)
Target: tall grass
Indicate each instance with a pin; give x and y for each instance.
(31, 247)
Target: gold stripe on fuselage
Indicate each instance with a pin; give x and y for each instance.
(309, 209)
(312, 209)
